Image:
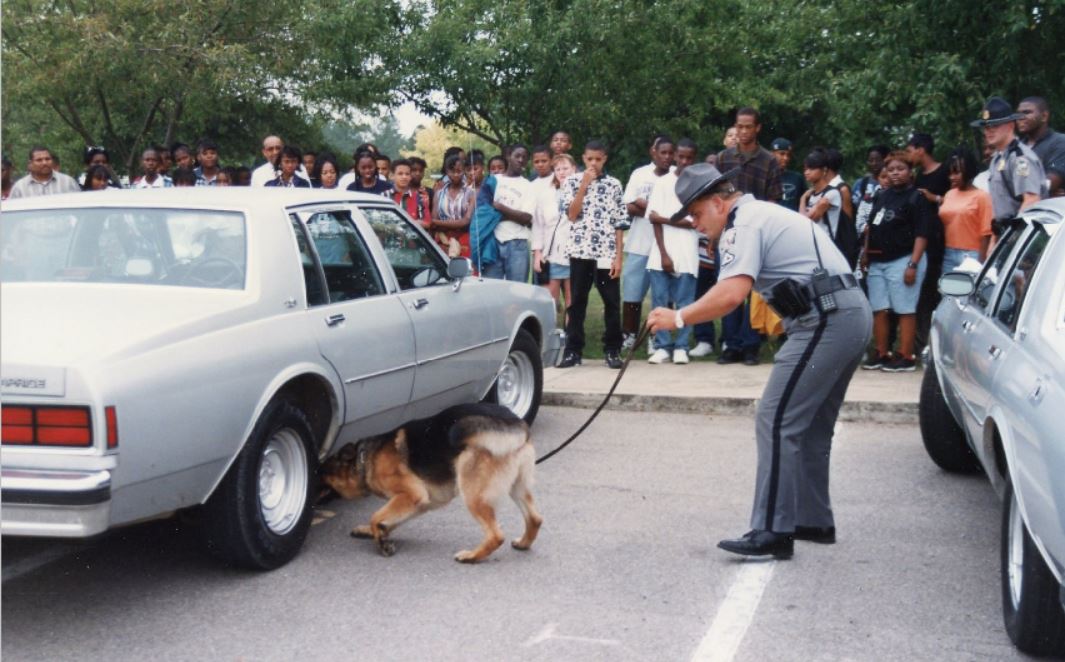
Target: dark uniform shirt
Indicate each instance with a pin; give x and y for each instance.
(792, 186)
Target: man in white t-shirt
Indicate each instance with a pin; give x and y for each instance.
(673, 262)
(640, 239)
(267, 172)
(514, 199)
(151, 178)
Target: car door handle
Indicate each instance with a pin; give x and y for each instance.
(967, 326)
(1037, 393)
(995, 352)
(333, 320)
(420, 303)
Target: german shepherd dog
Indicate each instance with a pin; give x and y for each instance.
(479, 450)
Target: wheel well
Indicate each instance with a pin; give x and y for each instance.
(997, 450)
(532, 326)
(315, 399)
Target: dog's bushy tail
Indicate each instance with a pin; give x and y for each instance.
(499, 435)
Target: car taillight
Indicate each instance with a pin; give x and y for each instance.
(46, 426)
(112, 427)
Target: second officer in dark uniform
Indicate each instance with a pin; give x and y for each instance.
(798, 269)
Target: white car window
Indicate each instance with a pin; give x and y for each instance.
(349, 270)
(1016, 288)
(985, 290)
(415, 259)
(190, 248)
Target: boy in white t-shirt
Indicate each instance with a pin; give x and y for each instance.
(640, 238)
(515, 200)
(673, 263)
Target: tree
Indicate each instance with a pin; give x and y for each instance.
(431, 141)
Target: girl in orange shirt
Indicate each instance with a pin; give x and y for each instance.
(966, 212)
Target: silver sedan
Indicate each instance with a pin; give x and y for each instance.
(992, 394)
(169, 349)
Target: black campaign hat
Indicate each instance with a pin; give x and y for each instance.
(996, 111)
(695, 182)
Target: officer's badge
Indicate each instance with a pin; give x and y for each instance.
(1022, 166)
(986, 115)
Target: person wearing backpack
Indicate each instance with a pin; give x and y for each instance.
(900, 224)
(824, 202)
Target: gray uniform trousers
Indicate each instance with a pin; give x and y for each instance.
(798, 410)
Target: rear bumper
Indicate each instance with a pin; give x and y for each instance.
(62, 504)
(553, 346)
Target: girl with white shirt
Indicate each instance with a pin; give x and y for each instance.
(550, 231)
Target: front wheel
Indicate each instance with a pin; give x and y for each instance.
(943, 438)
(1031, 606)
(520, 383)
(260, 514)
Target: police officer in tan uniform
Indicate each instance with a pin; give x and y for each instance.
(1016, 174)
(797, 268)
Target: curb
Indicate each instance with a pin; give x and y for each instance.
(862, 411)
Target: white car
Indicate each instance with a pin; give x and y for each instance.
(174, 348)
(992, 393)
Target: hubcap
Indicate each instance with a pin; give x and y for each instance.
(516, 383)
(282, 481)
(1015, 551)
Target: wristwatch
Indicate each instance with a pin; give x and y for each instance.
(678, 319)
(911, 265)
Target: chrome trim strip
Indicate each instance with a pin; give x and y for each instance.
(379, 373)
(464, 350)
(28, 480)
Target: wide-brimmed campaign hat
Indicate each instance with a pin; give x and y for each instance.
(996, 111)
(695, 182)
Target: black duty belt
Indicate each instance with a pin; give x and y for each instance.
(835, 284)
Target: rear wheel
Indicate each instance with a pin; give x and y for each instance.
(520, 383)
(260, 513)
(943, 438)
(1031, 605)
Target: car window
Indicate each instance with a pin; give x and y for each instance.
(313, 279)
(190, 248)
(1016, 288)
(413, 257)
(985, 290)
(345, 260)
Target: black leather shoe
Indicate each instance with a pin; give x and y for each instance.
(729, 356)
(570, 359)
(613, 360)
(824, 535)
(761, 543)
(750, 357)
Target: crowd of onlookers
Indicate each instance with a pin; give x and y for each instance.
(563, 221)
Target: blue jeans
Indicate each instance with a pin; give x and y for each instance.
(634, 279)
(680, 289)
(952, 257)
(512, 263)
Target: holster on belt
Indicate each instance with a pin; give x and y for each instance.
(788, 298)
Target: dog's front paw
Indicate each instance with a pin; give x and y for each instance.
(386, 547)
(520, 544)
(362, 532)
(466, 556)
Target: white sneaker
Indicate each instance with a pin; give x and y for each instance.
(680, 356)
(702, 349)
(659, 356)
(627, 341)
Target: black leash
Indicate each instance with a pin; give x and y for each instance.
(624, 366)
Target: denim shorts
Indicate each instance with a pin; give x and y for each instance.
(557, 271)
(888, 291)
(634, 279)
(952, 257)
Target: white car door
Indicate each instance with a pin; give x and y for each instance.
(983, 342)
(1030, 386)
(361, 329)
(453, 340)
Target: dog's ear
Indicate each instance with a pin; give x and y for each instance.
(401, 440)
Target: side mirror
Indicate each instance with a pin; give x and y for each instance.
(957, 284)
(458, 267)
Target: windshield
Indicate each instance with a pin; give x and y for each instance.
(176, 247)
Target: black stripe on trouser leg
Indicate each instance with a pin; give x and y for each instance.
(778, 419)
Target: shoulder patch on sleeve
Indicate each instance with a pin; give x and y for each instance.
(1022, 166)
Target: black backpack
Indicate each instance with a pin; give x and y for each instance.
(846, 236)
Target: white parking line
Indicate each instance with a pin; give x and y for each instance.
(735, 614)
(31, 563)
